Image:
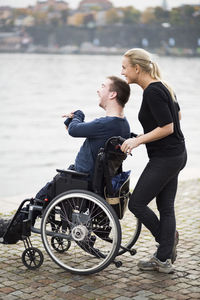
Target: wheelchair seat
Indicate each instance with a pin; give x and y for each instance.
(66, 180)
(72, 173)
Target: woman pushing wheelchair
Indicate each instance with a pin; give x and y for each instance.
(159, 116)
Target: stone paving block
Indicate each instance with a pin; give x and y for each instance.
(123, 298)
(6, 290)
(158, 297)
(65, 288)
(181, 297)
(17, 293)
(10, 297)
(194, 296)
(139, 297)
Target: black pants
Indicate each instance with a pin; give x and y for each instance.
(159, 180)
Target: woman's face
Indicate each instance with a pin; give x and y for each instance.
(129, 71)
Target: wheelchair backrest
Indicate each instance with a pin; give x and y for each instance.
(108, 164)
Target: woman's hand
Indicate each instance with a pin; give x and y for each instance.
(129, 145)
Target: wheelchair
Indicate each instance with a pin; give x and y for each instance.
(83, 228)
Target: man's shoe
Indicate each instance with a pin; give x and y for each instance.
(174, 250)
(154, 264)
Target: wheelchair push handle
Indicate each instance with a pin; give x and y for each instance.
(121, 139)
(114, 144)
(115, 141)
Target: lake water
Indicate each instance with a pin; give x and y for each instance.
(35, 90)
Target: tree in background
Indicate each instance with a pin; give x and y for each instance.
(178, 16)
(113, 16)
(184, 15)
(148, 16)
(130, 15)
(161, 15)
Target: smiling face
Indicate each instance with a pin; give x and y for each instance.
(104, 93)
(130, 72)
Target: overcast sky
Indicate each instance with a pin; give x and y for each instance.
(139, 4)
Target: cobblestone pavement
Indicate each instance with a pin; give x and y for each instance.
(125, 283)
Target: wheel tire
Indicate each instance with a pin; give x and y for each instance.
(90, 251)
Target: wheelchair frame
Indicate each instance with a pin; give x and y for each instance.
(80, 231)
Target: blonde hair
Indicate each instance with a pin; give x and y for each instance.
(143, 59)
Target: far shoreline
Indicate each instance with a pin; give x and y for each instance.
(108, 51)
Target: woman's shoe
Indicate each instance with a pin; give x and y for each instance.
(154, 264)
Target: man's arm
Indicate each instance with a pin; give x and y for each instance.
(78, 128)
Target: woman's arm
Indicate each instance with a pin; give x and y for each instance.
(154, 135)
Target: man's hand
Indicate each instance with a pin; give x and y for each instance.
(69, 115)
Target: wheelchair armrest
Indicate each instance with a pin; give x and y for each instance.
(72, 172)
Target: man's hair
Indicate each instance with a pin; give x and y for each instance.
(122, 89)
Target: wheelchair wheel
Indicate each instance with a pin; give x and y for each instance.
(88, 224)
(32, 258)
(59, 244)
(131, 228)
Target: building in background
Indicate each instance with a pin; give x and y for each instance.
(164, 4)
(88, 5)
(58, 5)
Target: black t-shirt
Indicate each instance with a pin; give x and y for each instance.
(157, 110)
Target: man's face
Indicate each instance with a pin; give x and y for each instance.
(104, 93)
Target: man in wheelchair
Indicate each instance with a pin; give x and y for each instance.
(113, 95)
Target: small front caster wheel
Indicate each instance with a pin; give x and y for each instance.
(133, 252)
(59, 244)
(32, 258)
(118, 264)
